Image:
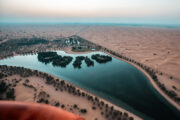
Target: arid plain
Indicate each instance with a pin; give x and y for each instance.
(157, 48)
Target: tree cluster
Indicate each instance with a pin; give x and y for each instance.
(47, 57)
(101, 58)
(57, 60)
(7, 90)
(89, 62)
(31, 41)
(77, 63)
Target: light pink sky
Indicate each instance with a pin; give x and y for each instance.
(97, 10)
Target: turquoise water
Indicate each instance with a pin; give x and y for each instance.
(115, 81)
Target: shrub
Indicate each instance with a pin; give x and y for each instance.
(46, 101)
(1, 75)
(131, 118)
(93, 107)
(62, 106)
(125, 114)
(83, 111)
(10, 93)
(57, 104)
(27, 81)
(3, 87)
(171, 77)
(75, 106)
(172, 94)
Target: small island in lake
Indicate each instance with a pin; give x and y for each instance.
(58, 60)
(89, 62)
(79, 59)
(77, 63)
(101, 58)
(62, 61)
(47, 57)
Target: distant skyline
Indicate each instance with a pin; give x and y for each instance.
(91, 11)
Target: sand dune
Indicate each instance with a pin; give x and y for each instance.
(155, 47)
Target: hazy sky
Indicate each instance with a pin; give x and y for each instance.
(119, 11)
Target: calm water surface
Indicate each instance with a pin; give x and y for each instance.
(115, 81)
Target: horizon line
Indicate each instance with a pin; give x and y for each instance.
(96, 23)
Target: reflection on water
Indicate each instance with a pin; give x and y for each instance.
(115, 81)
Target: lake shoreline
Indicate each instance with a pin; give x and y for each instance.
(151, 81)
(100, 98)
(68, 50)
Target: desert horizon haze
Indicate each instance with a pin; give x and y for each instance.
(109, 11)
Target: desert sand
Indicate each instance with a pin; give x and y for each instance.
(26, 94)
(156, 47)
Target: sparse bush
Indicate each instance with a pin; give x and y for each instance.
(1, 75)
(102, 113)
(131, 118)
(3, 86)
(62, 106)
(74, 106)
(83, 111)
(174, 87)
(172, 94)
(10, 93)
(46, 101)
(125, 114)
(27, 81)
(93, 107)
(57, 104)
